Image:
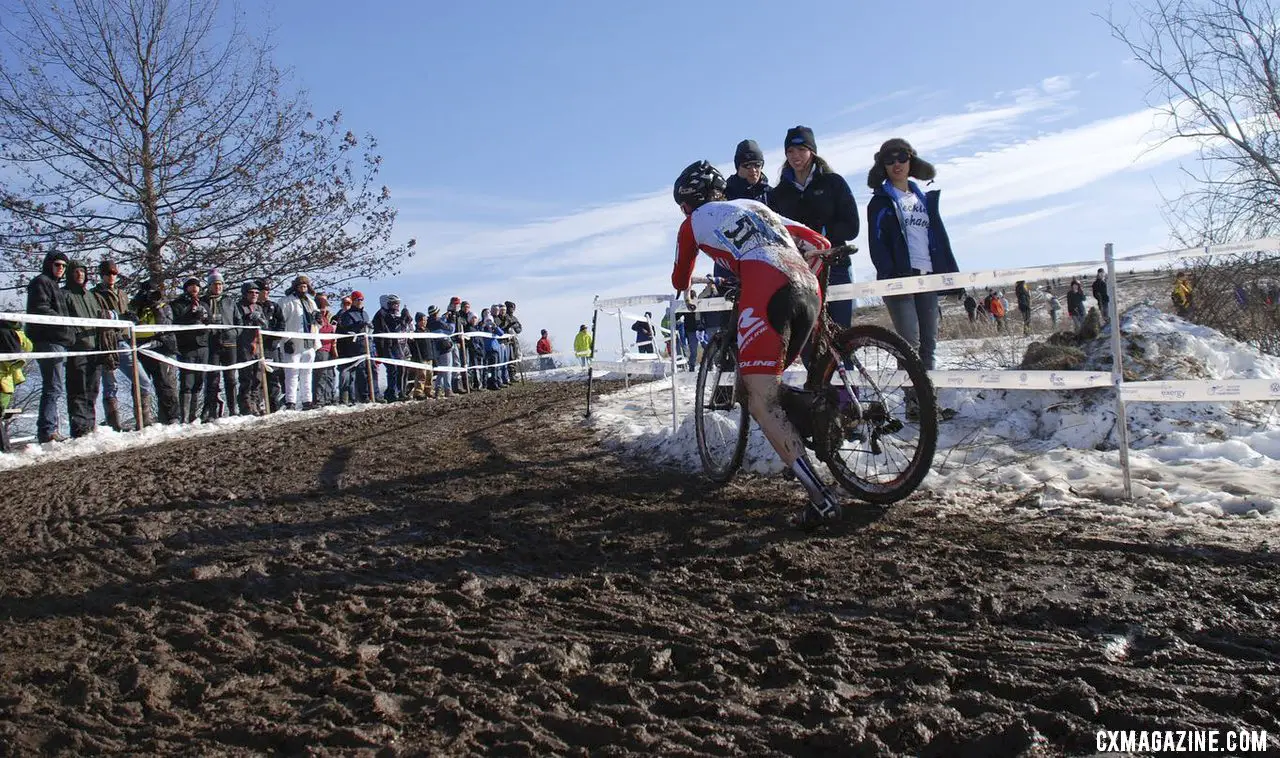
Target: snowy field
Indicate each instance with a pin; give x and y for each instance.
(1059, 448)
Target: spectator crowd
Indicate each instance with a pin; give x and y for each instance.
(200, 354)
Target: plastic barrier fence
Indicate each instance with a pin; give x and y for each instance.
(1148, 391)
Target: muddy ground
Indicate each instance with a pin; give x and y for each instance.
(477, 576)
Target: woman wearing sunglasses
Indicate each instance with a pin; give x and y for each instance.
(906, 238)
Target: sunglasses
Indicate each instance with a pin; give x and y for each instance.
(757, 165)
(897, 156)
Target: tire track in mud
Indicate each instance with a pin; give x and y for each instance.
(478, 576)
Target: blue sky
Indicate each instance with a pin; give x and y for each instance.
(531, 147)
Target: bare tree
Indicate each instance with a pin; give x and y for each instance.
(144, 130)
(1216, 67)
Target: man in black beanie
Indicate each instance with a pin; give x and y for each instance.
(750, 182)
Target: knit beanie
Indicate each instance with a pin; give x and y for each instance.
(747, 152)
(800, 136)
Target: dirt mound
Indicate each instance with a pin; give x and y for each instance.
(480, 577)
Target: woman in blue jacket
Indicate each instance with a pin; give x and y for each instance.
(906, 238)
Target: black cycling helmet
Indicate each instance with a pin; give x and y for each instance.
(697, 184)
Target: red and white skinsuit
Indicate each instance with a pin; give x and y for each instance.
(778, 291)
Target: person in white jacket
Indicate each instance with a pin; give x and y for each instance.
(298, 311)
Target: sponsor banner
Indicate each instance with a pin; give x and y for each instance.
(1201, 390)
(634, 368)
(1022, 380)
(618, 303)
(1265, 244)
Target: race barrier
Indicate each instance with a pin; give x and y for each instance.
(147, 331)
(1125, 392)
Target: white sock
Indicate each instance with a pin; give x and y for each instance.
(805, 473)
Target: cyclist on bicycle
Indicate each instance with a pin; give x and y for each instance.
(779, 302)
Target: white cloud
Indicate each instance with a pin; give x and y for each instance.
(1005, 223)
(554, 265)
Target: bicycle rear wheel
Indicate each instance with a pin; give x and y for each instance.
(880, 447)
(720, 412)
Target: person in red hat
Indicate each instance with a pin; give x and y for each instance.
(353, 378)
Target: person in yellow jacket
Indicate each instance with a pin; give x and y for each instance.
(582, 345)
(12, 341)
(1181, 295)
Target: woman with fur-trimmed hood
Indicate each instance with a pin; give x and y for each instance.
(906, 237)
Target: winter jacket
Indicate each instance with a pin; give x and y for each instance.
(825, 204)
(888, 241)
(582, 344)
(386, 321)
(352, 321)
(327, 326)
(45, 298)
(12, 340)
(996, 307)
(149, 308)
(114, 305)
(736, 188)
(1100, 292)
(190, 311)
(222, 310)
(493, 344)
(422, 350)
(297, 314)
(1024, 299)
(81, 303)
(1075, 303)
(544, 346)
(244, 314)
(273, 319)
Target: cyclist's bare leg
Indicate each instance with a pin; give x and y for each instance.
(764, 405)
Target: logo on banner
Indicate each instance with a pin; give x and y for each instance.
(1224, 390)
(948, 280)
(1177, 394)
(1275, 388)
(1057, 380)
(893, 287)
(989, 379)
(958, 381)
(1022, 378)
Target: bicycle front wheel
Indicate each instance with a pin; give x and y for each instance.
(720, 412)
(882, 428)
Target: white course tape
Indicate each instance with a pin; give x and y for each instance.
(204, 367)
(1022, 380)
(314, 364)
(1200, 390)
(1265, 244)
(309, 336)
(36, 318)
(159, 328)
(51, 354)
